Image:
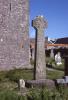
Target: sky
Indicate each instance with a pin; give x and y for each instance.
(56, 14)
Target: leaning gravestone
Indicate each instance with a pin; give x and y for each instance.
(40, 66)
(14, 39)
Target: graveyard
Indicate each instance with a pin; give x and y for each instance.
(26, 76)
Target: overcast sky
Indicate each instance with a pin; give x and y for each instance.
(55, 12)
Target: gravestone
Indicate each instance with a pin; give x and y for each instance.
(64, 80)
(14, 39)
(58, 59)
(40, 66)
(21, 84)
(52, 53)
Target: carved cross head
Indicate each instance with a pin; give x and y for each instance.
(39, 23)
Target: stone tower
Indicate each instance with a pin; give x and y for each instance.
(14, 38)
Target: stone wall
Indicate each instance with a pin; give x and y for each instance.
(14, 39)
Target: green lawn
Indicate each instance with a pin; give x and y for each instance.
(54, 74)
(9, 79)
(16, 74)
(9, 86)
(51, 63)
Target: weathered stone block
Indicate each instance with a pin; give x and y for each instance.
(60, 81)
(40, 83)
(66, 79)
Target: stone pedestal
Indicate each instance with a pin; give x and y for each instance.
(40, 66)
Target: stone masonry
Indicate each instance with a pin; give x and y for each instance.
(40, 66)
(14, 39)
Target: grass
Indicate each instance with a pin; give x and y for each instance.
(51, 63)
(9, 79)
(49, 94)
(11, 95)
(36, 94)
(9, 86)
(54, 74)
(16, 74)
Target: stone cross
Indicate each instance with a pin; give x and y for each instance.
(40, 65)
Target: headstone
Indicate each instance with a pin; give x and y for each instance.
(58, 59)
(60, 81)
(40, 65)
(52, 53)
(66, 79)
(14, 39)
(63, 80)
(21, 84)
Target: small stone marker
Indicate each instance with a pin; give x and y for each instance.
(40, 66)
(66, 79)
(52, 53)
(21, 84)
(61, 81)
